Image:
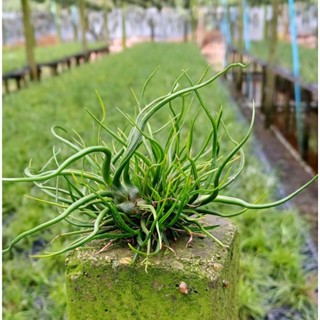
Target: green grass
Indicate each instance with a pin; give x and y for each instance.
(33, 289)
(308, 58)
(15, 58)
(15, 5)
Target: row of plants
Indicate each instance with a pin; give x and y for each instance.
(308, 58)
(14, 58)
(24, 291)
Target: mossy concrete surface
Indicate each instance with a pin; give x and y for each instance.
(107, 285)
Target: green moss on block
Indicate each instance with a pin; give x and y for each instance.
(106, 285)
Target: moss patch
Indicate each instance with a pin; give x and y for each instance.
(108, 286)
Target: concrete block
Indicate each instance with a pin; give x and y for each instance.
(195, 282)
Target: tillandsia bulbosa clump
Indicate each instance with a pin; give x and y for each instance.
(149, 186)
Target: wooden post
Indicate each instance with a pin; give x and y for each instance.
(287, 113)
(151, 24)
(152, 32)
(254, 79)
(187, 11)
(123, 23)
(240, 46)
(193, 21)
(6, 85)
(29, 39)
(106, 27)
(72, 12)
(229, 22)
(56, 11)
(263, 85)
(82, 8)
(266, 25)
(307, 126)
(58, 22)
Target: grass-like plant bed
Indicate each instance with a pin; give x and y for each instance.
(308, 58)
(15, 58)
(37, 291)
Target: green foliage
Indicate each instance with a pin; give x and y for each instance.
(15, 5)
(308, 58)
(14, 58)
(271, 273)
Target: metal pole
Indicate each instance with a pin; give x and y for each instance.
(296, 72)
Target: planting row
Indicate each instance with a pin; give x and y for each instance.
(23, 75)
(297, 121)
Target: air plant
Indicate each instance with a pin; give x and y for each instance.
(144, 190)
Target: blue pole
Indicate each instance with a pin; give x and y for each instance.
(246, 39)
(226, 29)
(296, 71)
